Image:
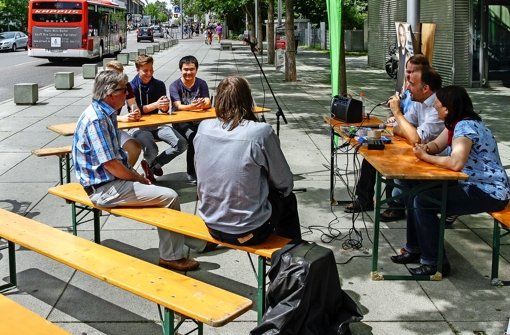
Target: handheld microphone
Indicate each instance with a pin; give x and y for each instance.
(384, 103)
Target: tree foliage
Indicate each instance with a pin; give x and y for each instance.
(157, 10)
(354, 11)
(14, 14)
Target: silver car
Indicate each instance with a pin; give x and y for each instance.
(13, 40)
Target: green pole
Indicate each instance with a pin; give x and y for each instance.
(334, 8)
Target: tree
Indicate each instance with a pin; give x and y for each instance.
(290, 54)
(270, 33)
(14, 15)
(157, 10)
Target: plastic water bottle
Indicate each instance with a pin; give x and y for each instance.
(362, 98)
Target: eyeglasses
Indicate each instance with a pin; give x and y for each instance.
(122, 89)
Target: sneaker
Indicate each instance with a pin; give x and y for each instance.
(192, 179)
(450, 219)
(158, 171)
(147, 171)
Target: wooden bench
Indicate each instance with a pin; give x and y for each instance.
(175, 221)
(16, 319)
(501, 221)
(64, 160)
(177, 293)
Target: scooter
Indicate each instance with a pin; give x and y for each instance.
(392, 63)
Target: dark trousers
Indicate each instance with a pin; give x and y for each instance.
(423, 221)
(188, 130)
(284, 221)
(365, 187)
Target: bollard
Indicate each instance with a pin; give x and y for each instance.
(162, 46)
(64, 80)
(106, 61)
(142, 52)
(156, 47)
(150, 50)
(133, 55)
(26, 93)
(123, 58)
(89, 71)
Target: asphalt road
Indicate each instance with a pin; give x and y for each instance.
(17, 67)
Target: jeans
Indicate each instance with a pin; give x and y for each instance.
(124, 193)
(146, 136)
(188, 130)
(423, 221)
(365, 191)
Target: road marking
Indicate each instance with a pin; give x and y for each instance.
(34, 61)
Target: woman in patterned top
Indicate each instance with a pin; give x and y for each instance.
(472, 149)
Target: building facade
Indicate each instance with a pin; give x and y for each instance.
(472, 37)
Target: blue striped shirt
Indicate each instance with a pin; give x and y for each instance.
(95, 142)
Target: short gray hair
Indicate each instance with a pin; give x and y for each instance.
(107, 82)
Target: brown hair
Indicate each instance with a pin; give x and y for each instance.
(234, 102)
(115, 65)
(141, 60)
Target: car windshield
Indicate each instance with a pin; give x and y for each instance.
(6, 35)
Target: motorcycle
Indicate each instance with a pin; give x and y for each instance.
(392, 63)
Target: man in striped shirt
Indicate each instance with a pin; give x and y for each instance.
(101, 167)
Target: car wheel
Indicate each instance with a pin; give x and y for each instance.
(26, 47)
(14, 47)
(138, 40)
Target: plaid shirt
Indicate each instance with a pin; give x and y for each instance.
(96, 142)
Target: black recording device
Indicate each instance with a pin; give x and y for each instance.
(375, 144)
(346, 109)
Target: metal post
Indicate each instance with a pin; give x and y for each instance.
(257, 20)
(279, 12)
(182, 22)
(413, 18)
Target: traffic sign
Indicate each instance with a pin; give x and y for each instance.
(177, 9)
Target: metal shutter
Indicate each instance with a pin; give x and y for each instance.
(463, 57)
(382, 15)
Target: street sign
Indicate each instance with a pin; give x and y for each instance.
(177, 9)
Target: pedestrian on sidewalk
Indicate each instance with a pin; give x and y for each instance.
(219, 31)
(102, 169)
(150, 95)
(189, 93)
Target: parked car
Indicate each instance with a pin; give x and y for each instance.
(144, 34)
(13, 40)
(157, 31)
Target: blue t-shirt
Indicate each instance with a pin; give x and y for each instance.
(148, 93)
(179, 92)
(483, 166)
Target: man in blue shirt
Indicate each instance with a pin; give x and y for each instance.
(101, 167)
(189, 93)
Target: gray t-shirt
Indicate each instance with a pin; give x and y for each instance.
(235, 170)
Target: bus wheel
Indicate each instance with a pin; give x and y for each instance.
(101, 52)
(55, 60)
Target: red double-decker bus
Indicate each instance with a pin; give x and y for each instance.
(75, 28)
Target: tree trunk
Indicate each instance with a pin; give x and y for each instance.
(270, 33)
(290, 54)
(260, 32)
(342, 73)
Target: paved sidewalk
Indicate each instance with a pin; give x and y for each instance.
(463, 303)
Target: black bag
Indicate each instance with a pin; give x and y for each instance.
(304, 296)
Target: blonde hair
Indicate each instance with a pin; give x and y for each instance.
(115, 65)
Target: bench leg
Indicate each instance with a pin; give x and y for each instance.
(12, 269)
(74, 218)
(97, 228)
(496, 244)
(68, 168)
(261, 290)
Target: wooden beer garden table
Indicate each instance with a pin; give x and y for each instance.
(148, 120)
(397, 161)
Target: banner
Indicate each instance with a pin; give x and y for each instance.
(334, 26)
